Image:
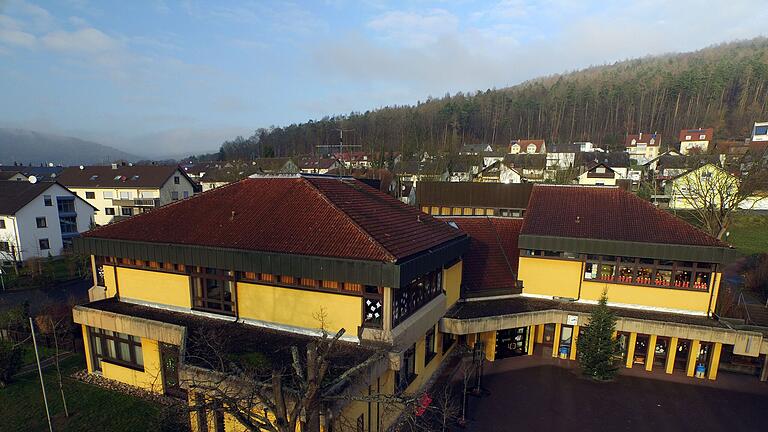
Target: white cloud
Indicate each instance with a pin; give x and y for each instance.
(87, 40)
(17, 38)
(413, 28)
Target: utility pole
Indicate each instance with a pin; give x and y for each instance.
(341, 146)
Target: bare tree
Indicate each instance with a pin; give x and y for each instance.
(713, 195)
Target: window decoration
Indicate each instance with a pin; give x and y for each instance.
(649, 272)
(373, 307)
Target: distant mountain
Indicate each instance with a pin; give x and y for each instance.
(25, 147)
(724, 87)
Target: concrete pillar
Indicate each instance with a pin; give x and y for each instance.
(531, 338)
(671, 351)
(631, 349)
(764, 372)
(471, 339)
(540, 333)
(574, 341)
(714, 361)
(651, 353)
(693, 353)
(556, 341)
(489, 338)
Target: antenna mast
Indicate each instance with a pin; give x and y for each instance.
(341, 146)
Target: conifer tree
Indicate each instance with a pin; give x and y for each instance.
(599, 352)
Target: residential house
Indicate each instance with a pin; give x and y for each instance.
(499, 172)
(123, 190)
(531, 167)
(528, 146)
(599, 174)
(562, 156)
(12, 176)
(760, 132)
(464, 168)
(428, 170)
(473, 199)
(491, 157)
(643, 147)
(224, 173)
(355, 160)
(695, 141)
(39, 219)
(708, 184)
(475, 149)
(671, 164)
(577, 242)
(315, 165)
(333, 254)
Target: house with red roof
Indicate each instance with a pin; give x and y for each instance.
(695, 140)
(643, 147)
(528, 146)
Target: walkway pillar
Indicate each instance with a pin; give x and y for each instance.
(693, 354)
(651, 353)
(764, 372)
(531, 338)
(714, 361)
(539, 333)
(671, 351)
(556, 341)
(574, 341)
(631, 349)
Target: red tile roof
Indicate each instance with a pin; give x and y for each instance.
(492, 258)
(606, 213)
(523, 143)
(305, 215)
(695, 134)
(643, 138)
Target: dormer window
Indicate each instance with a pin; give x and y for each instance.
(702, 137)
(515, 148)
(688, 137)
(653, 141)
(634, 141)
(531, 148)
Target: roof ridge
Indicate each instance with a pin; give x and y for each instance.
(357, 226)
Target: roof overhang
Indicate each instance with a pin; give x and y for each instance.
(677, 252)
(389, 274)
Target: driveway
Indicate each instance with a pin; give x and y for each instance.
(530, 395)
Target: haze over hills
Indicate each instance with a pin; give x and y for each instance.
(723, 86)
(29, 147)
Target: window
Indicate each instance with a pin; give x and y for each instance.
(5, 246)
(373, 306)
(114, 347)
(687, 137)
(126, 211)
(90, 195)
(176, 180)
(407, 372)
(212, 290)
(41, 222)
(109, 211)
(649, 272)
(47, 200)
(106, 194)
(531, 148)
(175, 195)
(65, 204)
(125, 194)
(430, 351)
(201, 413)
(702, 137)
(600, 170)
(2, 223)
(44, 245)
(68, 224)
(408, 299)
(100, 281)
(186, 194)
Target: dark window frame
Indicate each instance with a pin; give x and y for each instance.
(47, 244)
(109, 211)
(90, 195)
(430, 348)
(2, 223)
(99, 336)
(124, 209)
(655, 280)
(41, 222)
(407, 373)
(47, 201)
(202, 299)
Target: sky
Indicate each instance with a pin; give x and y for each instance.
(168, 78)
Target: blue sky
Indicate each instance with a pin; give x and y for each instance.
(172, 77)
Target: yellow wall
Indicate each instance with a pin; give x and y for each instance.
(154, 286)
(149, 379)
(452, 283)
(109, 280)
(299, 308)
(695, 301)
(550, 277)
(554, 277)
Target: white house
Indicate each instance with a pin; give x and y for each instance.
(39, 219)
(695, 140)
(528, 146)
(120, 190)
(643, 147)
(600, 174)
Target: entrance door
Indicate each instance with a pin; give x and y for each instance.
(169, 356)
(512, 342)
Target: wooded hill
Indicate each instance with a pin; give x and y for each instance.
(724, 87)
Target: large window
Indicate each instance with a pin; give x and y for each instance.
(407, 372)
(212, 290)
(649, 272)
(65, 204)
(68, 224)
(430, 351)
(408, 299)
(114, 347)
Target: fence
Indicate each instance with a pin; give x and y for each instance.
(70, 341)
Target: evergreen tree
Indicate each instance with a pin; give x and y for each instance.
(599, 352)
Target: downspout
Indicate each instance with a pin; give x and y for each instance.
(581, 279)
(18, 257)
(712, 291)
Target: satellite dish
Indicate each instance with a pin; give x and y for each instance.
(32, 179)
(82, 167)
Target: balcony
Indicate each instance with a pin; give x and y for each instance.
(139, 202)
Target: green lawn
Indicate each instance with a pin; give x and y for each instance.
(91, 408)
(749, 233)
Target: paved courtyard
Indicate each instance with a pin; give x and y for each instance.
(537, 394)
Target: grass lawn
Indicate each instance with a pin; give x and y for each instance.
(91, 408)
(749, 233)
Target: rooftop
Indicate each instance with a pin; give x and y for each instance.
(466, 194)
(490, 264)
(303, 215)
(16, 194)
(129, 176)
(606, 213)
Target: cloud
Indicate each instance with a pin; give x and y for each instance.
(86, 40)
(17, 38)
(413, 28)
